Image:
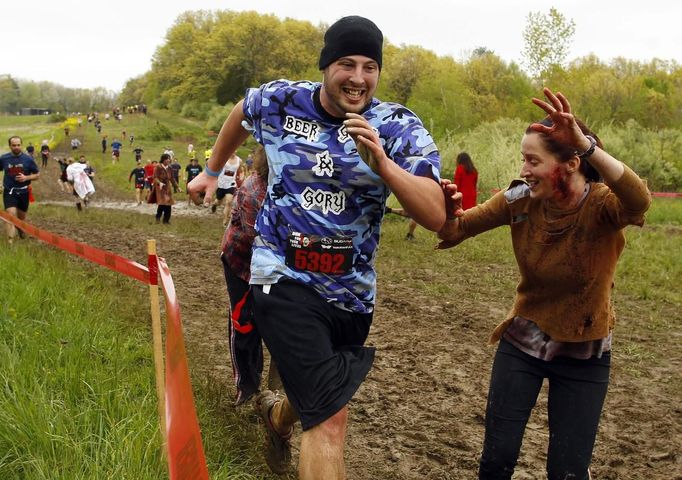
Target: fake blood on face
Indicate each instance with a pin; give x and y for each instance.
(560, 184)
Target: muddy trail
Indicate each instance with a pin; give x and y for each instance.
(419, 415)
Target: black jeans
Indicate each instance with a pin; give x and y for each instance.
(165, 210)
(577, 389)
(245, 341)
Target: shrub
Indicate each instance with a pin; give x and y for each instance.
(217, 116)
(158, 132)
(198, 110)
(494, 148)
(654, 154)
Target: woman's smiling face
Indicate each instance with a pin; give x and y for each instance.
(544, 173)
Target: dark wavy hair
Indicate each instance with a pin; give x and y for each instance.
(463, 158)
(564, 153)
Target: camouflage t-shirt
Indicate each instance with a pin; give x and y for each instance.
(321, 188)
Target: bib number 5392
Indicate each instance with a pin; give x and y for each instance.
(317, 254)
(324, 262)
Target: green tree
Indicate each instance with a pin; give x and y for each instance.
(9, 94)
(403, 67)
(497, 89)
(172, 62)
(443, 99)
(481, 52)
(212, 57)
(30, 96)
(133, 92)
(547, 39)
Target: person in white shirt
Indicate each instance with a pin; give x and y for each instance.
(230, 178)
(83, 187)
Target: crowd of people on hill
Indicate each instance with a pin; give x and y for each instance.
(303, 216)
(148, 177)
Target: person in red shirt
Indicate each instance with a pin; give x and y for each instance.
(466, 179)
(149, 177)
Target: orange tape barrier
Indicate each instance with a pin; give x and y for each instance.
(102, 257)
(186, 460)
(666, 194)
(185, 451)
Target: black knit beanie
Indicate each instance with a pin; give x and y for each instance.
(352, 35)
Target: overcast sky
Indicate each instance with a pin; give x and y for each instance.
(90, 43)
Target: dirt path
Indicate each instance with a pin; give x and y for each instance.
(419, 415)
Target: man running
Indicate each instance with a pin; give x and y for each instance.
(138, 153)
(138, 174)
(175, 168)
(115, 150)
(44, 153)
(19, 170)
(335, 153)
(191, 172)
(83, 188)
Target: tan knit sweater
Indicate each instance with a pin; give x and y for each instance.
(567, 264)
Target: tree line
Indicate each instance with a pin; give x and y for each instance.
(16, 94)
(208, 60)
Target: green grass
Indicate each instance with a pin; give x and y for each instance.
(665, 211)
(77, 378)
(76, 372)
(651, 264)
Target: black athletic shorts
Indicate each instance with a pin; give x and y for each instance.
(221, 192)
(318, 348)
(17, 199)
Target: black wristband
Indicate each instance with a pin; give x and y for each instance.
(587, 153)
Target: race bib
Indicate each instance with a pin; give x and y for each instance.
(313, 253)
(15, 170)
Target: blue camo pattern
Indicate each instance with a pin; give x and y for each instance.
(319, 185)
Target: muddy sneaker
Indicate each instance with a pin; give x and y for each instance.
(409, 236)
(214, 208)
(278, 447)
